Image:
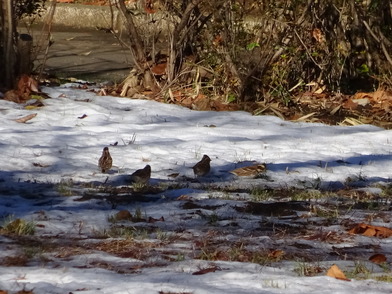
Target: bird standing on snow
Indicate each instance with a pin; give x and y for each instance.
(105, 162)
(202, 167)
(142, 176)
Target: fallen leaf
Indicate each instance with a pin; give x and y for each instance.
(335, 272)
(24, 292)
(153, 220)
(123, 215)
(25, 118)
(85, 53)
(276, 254)
(12, 95)
(371, 231)
(83, 116)
(378, 258)
(27, 84)
(173, 175)
(183, 197)
(207, 270)
(159, 69)
(318, 35)
(350, 104)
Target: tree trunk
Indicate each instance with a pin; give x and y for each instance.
(8, 55)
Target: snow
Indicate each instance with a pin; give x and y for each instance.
(57, 153)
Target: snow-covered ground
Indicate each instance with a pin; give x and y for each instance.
(49, 176)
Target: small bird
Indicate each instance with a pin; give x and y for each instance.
(142, 176)
(202, 167)
(105, 162)
(250, 171)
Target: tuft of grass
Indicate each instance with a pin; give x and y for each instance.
(386, 191)
(245, 156)
(212, 218)
(32, 251)
(115, 232)
(162, 235)
(273, 284)
(384, 278)
(210, 255)
(306, 195)
(359, 272)
(19, 260)
(261, 194)
(138, 213)
(139, 187)
(180, 257)
(304, 269)
(18, 226)
(64, 187)
(330, 214)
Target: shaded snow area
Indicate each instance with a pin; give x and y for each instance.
(275, 232)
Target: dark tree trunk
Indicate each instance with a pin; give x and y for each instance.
(8, 44)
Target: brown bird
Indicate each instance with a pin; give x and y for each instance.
(202, 167)
(105, 162)
(250, 171)
(142, 176)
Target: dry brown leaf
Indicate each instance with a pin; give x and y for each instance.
(159, 69)
(183, 197)
(123, 215)
(201, 102)
(27, 84)
(173, 175)
(25, 118)
(24, 292)
(318, 35)
(361, 95)
(380, 95)
(378, 258)
(153, 220)
(371, 231)
(276, 254)
(12, 95)
(207, 270)
(335, 272)
(350, 104)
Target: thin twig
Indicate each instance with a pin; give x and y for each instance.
(387, 56)
(370, 31)
(384, 50)
(307, 50)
